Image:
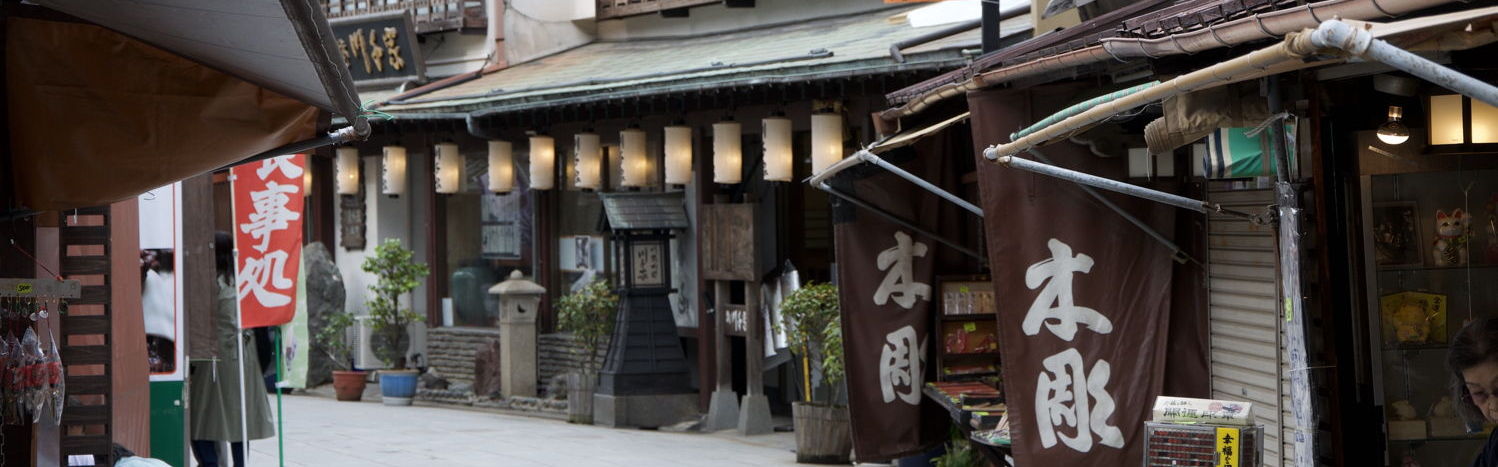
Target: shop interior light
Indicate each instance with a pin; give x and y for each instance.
(348, 170)
(543, 162)
(447, 168)
(826, 140)
(307, 182)
(1452, 114)
(728, 152)
(634, 167)
(678, 154)
(393, 170)
(587, 155)
(1394, 131)
(501, 166)
(776, 131)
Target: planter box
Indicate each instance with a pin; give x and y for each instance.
(823, 434)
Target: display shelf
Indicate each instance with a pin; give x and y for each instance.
(1420, 347)
(973, 355)
(1474, 267)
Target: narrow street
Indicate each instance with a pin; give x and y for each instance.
(324, 433)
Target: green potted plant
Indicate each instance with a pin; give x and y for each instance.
(348, 383)
(810, 319)
(589, 315)
(396, 275)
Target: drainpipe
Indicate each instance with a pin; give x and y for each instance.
(493, 49)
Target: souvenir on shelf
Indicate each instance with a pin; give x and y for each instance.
(1396, 234)
(1413, 318)
(1453, 232)
(967, 298)
(970, 337)
(1444, 423)
(1404, 421)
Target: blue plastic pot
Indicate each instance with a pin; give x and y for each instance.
(397, 387)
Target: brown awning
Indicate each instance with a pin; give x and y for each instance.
(97, 117)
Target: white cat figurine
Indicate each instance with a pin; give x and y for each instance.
(1451, 238)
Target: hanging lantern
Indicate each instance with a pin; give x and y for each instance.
(1457, 119)
(776, 131)
(826, 140)
(634, 168)
(447, 168)
(307, 182)
(678, 154)
(348, 170)
(501, 167)
(393, 171)
(728, 152)
(587, 154)
(543, 162)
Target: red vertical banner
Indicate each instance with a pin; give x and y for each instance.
(268, 207)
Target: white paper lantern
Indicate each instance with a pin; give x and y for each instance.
(826, 140)
(393, 170)
(678, 154)
(447, 168)
(501, 167)
(348, 170)
(776, 132)
(587, 155)
(728, 152)
(634, 168)
(543, 162)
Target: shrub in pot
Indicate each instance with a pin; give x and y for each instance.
(348, 384)
(588, 314)
(811, 322)
(396, 275)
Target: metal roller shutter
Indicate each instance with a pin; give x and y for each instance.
(1246, 352)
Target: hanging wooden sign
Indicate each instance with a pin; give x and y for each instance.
(728, 242)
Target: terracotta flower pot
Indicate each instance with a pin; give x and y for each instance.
(349, 385)
(823, 434)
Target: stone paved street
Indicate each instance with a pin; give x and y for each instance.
(324, 433)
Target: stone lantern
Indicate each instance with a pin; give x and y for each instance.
(518, 303)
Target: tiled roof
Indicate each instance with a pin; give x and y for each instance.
(849, 44)
(638, 211)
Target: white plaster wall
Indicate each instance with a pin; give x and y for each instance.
(718, 18)
(451, 53)
(530, 33)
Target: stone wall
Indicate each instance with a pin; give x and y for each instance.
(451, 350)
(558, 354)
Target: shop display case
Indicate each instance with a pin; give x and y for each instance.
(1431, 259)
(967, 327)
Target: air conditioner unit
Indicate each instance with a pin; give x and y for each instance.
(364, 356)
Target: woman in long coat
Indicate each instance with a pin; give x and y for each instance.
(215, 384)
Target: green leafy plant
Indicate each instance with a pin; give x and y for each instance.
(333, 337)
(810, 319)
(397, 275)
(589, 315)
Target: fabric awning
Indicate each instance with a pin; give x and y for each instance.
(97, 116)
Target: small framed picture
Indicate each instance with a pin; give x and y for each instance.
(1396, 234)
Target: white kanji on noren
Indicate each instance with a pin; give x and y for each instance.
(1067, 395)
(1055, 301)
(271, 213)
(900, 366)
(899, 277)
(285, 163)
(260, 272)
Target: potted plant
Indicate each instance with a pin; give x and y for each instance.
(396, 275)
(810, 318)
(348, 383)
(589, 315)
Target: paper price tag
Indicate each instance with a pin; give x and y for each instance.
(970, 327)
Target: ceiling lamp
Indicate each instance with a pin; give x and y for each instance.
(678, 154)
(826, 140)
(776, 131)
(543, 162)
(501, 167)
(587, 155)
(1456, 119)
(447, 168)
(634, 168)
(348, 170)
(1394, 131)
(393, 170)
(728, 152)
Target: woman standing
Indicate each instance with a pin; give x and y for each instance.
(215, 384)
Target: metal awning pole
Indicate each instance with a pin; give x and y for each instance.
(1125, 188)
(898, 220)
(342, 135)
(873, 159)
(1176, 253)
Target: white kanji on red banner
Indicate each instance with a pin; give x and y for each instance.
(268, 220)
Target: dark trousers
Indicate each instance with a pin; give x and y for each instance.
(207, 453)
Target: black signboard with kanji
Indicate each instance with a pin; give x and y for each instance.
(379, 48)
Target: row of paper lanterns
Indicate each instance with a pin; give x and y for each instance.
(635, 161)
